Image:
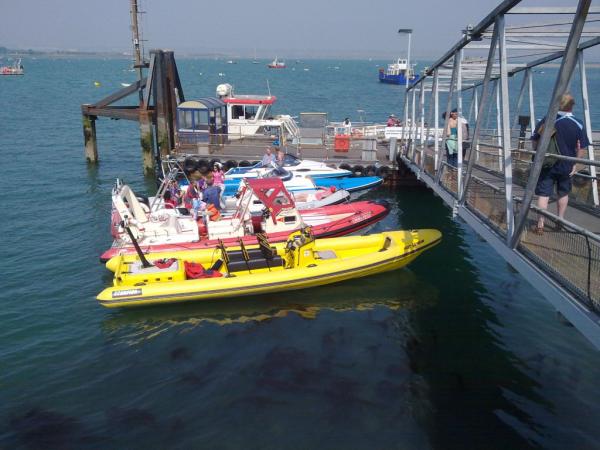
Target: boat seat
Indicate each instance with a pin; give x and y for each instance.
(186, 226)
(138, 268)
(325, 254)
(254, 263)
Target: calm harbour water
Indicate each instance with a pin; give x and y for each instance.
(455, 351)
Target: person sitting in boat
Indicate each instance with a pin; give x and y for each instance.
(170, 201)
(212, 194)
(193, 199)
(175, 191)
(279, 159)
(268, 157)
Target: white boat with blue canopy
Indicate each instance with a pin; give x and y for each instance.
(298, 167)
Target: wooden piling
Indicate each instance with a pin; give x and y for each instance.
(147, 142)
(156, 111)
(89, 138)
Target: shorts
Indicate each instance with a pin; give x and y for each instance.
(547, 181)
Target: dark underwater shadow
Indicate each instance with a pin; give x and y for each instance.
(458, 350)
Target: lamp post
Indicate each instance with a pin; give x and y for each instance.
(409, 32)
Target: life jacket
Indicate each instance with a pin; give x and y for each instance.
(213, 212)
(196, 270)
(164, 263)
(171, 204)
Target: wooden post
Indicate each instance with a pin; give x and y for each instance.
(147, 142)
(89, 138)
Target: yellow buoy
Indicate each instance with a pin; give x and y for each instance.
(97, 83)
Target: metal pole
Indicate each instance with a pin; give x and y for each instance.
(429, 122)
(436, 114)
(588, 123)
(405, 125)
(473, 146)
(448, 109)
(485, 96)
(506, 137)
(422, 107)
(408, 59)
(136, 43)
(476, 101)
(520, 100)
(413, 125)
(562, 82)
(531, 103)
(498, 124)
(459, 137)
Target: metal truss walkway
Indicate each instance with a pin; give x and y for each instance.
(492, 186)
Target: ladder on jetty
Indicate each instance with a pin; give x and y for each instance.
(492, 186)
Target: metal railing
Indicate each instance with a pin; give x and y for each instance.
(493, 180)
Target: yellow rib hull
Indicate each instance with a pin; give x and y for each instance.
(343, 258)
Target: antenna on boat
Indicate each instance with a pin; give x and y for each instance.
(268, 87)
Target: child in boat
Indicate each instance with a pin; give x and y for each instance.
(170, 202)
(218, 175)
(175, 191)
(193, 199)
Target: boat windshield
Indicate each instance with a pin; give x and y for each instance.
(290, 160)
(278, 172)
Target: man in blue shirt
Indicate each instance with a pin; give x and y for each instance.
(572, 140)
(212, 194)
(268, 158)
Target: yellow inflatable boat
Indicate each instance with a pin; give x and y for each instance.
(299, 263)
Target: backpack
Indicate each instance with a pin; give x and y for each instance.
(552, 149)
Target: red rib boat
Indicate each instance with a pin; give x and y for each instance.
(166, 230)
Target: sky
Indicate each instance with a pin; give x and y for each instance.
(304, 28)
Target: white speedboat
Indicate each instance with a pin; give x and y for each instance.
(298, 167)
(134, 225)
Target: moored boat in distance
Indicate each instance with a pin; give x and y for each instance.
(276, 64)
(300, 262)
(16, 69)
(398, 72)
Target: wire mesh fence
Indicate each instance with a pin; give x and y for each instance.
(571, 256)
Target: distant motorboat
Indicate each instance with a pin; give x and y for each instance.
(231, 61)
(400, 72)
(15, 69)
(276, 64)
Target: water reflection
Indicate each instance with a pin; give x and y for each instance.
(474, 381)
(397, 290)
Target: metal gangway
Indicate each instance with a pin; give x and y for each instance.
(488, 76)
